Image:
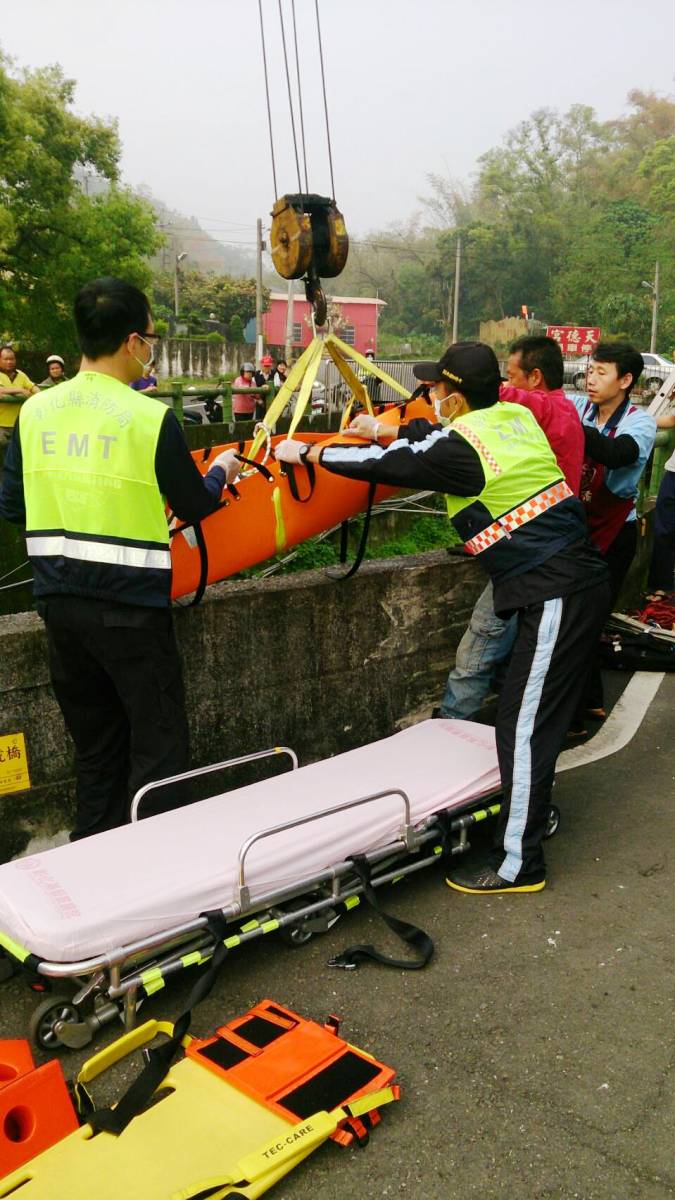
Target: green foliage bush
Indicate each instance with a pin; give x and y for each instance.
(53, 236)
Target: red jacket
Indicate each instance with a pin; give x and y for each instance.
(559, 419)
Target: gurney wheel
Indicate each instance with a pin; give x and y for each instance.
(46, 1015)
(295, 935)
(552, 821)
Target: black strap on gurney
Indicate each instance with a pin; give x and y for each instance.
(412, 935)
(159, 1060)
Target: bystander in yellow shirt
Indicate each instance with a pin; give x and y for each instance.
(10, 405)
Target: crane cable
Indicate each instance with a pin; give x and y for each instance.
(267, 94)
(290, 97)
(325, 101)
(302, 120)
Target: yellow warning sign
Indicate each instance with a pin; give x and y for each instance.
(14, 775)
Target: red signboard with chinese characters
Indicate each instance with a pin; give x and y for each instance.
(574, 339)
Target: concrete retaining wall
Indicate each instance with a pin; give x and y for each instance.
(301, 661)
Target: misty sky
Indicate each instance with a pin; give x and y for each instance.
(413, 87)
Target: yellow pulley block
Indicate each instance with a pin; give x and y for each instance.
(291, 241)
(308, 235)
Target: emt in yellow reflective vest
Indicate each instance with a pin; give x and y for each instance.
(89, 470)
(508, 500)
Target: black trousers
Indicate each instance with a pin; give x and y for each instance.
(118, 680)
(663, 555)
(541, 690)
(618, 557)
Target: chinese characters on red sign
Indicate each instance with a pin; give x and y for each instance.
(574, 339)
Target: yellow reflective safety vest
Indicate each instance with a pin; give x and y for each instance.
(525, 512)
(95, 517)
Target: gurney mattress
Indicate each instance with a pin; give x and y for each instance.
(95, 895)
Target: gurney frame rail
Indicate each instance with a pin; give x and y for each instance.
(115, 984)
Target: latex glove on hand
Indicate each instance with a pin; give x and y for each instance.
(290, 451)
(229, 463)
(365, 426)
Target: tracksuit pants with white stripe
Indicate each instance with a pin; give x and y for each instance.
(546, 675)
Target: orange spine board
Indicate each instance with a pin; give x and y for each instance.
(292, 1053)
(266, 520)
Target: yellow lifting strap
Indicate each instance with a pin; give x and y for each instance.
(276, 408)
(357, 386)
(348, 351)
(306, 390)
(303, 374)
(300, 1140)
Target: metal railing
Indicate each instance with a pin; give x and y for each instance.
(336, 391)
(180, 394)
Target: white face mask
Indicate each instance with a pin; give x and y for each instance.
(151, 361)
(441, 419)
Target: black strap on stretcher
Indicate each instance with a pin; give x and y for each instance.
(412, 935)
(199, 533)
(288, 469)
(422, 390)
(159, 1060)
(344, 541)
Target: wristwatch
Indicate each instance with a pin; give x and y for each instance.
(304, 450)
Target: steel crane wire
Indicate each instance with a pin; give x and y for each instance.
(302, 120)
(325, 101)
(290, 95)
(267, 96)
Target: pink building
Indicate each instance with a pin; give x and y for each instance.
(360, 317)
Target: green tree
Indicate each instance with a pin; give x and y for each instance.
(606, 261)
(236, 329)
(53, 237)
(203, 294)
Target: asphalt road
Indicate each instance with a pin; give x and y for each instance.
(534, 1052)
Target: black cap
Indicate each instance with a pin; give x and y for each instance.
(471, 367)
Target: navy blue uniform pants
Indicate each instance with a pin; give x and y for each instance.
(544, 680)
(117, 677)
(663, 554)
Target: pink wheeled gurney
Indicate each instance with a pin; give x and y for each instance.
(116, 915)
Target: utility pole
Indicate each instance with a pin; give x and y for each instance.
(289, 322)
(448, 319)
(655, 309)
(260, 246)
(455, 307)
(176, 287)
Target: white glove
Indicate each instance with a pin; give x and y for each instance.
(365, 426)
(290, 451)
(229, 463)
